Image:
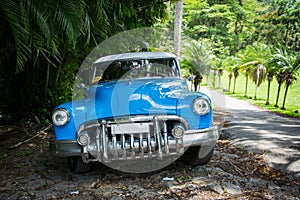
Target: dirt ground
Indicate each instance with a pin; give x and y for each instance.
(30, 171)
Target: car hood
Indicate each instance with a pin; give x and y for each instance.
(134, 97)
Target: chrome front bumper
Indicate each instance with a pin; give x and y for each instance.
(108, 141)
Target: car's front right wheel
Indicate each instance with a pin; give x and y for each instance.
(197, 155)
(76, 165)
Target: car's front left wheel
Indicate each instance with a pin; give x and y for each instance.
(197, 155)
(76, 165)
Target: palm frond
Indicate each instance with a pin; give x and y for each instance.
(259, 74)
(199, 54)
(38, 15)
(15, 28)
(69, 16)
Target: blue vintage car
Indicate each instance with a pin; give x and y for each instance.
(137, 108)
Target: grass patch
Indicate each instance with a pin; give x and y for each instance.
(292, 104)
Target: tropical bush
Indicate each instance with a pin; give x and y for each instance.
(43, 43)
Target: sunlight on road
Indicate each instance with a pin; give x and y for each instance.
(257, 130)
(226, 102)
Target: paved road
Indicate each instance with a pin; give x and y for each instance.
(257, 130)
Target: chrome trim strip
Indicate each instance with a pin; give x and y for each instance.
(141, 146)
(104, 140)
(98, 139)
(132, 119)
(149, 144)
(115, 151)
(166, 143)
(132, 147)
(158, 136)
(123, 146)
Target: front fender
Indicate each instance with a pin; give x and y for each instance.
(185, 110)
(77, 113)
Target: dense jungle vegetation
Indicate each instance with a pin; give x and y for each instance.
(256, 40)
(43, 43)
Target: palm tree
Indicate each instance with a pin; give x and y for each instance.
(33, 37)
(235, 75)
(269, 78)
(247, 73)
(231, 63)
(271, 72)
(289, 66)
(199, 56)
(229, 82)
(248, 68)
(44, 42)
(289, 79)
(38, 29)
(280, 79)
(253, 61)
(219, 69)
(258, 75)
(220, 73)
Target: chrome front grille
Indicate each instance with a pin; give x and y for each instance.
(131, 138)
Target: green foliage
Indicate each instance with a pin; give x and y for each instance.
(292, 101)
(44, 42)
(286, 63)
(204, 21)
(243, 36)
(287, 67)
(198, 54)
(279, 26)
(227, 22)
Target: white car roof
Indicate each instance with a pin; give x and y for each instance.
(135, 55)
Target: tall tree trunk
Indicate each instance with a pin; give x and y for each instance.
(214, 78)
(219, 76)
(256, 87)
(246, 86)
(268, 91)
(278, 93)
(255, 92)
(284, 98)
(230, 77)
(177, 27)
(234, 82)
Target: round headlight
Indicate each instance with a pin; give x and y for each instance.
(201, 106)
(60, 117)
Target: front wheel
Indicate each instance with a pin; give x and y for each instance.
(76, 165)
(197, 155)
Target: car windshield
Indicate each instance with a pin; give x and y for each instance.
(133, 69)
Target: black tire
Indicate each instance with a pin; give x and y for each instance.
(191, 156)
(77, 166)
